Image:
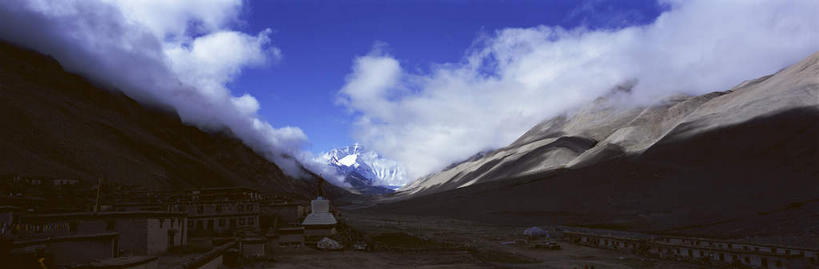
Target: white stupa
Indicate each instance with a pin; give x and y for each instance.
(320, 214)
(320, 222)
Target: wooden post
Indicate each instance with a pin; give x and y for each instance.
(97, 203)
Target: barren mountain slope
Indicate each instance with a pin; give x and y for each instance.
(607, 128)
(730, 164)
(716, 183)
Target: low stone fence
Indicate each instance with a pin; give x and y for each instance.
(212, 259)
(700, 250)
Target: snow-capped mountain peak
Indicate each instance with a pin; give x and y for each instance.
(365, 165)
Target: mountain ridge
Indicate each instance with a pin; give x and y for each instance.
(618, 129)
(61, 125)
(730, 164)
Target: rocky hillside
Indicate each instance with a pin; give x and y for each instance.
(57, 124)
(611, 127)
(728, 164)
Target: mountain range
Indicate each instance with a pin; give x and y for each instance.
(733, 163)
(365, 170)
(736, 162)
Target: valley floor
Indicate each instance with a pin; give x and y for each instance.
(435, 242)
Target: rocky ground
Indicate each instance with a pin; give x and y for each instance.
(436, 242)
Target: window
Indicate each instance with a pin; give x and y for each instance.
(242, 221)
(221, 222)
(250, 221)
(200, 209)
(210, 224)
(109, 225)
(747, 260)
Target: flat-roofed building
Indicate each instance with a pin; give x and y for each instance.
(712, 252)
(252, 247)
(8, 218)
(219, 217)
(292, 236)
(282, 214)
(64, 181)
(219, 211)
(140, 232)
(62, 251)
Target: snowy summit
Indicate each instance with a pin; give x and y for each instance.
(365, 167)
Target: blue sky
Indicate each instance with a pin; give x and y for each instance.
(449, 78)
(320, 39)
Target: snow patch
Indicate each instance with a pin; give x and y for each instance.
(348, 160)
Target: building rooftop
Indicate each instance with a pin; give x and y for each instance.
(76, 215)
(121, 261)
(291, 230)
(8, 208)
(63, 238)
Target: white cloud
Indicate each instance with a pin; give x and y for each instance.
(519, 76)
(367, 87)
(176, 53)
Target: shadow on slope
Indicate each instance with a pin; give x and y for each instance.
(59, 125)
(685, 185)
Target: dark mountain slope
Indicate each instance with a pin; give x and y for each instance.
(56, 124)
(754, 178)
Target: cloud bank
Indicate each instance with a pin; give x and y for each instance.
(517, 77)
(180, 54)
